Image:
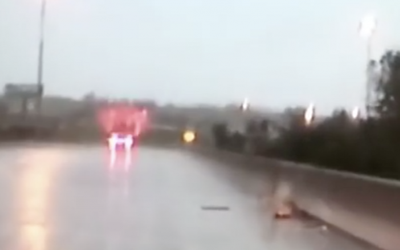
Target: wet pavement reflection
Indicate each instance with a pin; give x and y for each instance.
(64, 197)
(34, 190)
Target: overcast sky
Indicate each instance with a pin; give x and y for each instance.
(275, 52)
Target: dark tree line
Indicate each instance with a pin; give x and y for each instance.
(367, 145)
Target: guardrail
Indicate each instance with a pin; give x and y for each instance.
(366, 207)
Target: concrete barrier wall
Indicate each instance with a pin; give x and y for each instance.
(368, 208)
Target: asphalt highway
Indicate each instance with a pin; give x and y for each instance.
(68, 197)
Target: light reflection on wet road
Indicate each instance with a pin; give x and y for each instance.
(56, 197)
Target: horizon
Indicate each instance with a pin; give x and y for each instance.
(256, 108)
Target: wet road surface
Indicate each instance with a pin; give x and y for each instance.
(64, 197)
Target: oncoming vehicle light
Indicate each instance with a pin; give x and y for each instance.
(189, 136)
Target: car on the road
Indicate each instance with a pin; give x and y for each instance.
(122, 125)
(121, 141)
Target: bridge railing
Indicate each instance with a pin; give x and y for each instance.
(366, 207)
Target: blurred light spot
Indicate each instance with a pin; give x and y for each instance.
(189, 136)
(34, 188)
(368, 25)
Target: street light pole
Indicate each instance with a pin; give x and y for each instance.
(41, 51)
(368, 78)
(367, 29)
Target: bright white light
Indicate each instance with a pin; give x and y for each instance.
(368, 26)
(355, 113)
(309, 114)
(245, 104)
(128, 142)
(114, 141)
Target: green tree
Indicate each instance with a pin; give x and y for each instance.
(386, 135)
(368, 146)
(221, 135)
(387, 105)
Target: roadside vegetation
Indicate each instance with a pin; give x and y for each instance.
(364, 145)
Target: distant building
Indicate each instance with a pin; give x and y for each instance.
(23, 98)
